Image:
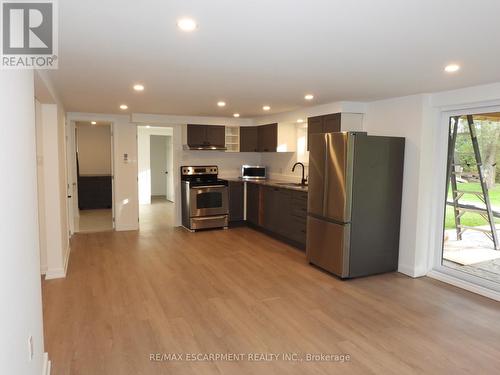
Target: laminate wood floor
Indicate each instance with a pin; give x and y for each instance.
(165, 290)
(91, 221)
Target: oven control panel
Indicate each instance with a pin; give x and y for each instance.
(200, 170)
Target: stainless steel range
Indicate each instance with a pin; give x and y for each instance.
(204, 198)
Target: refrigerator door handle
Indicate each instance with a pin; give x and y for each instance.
(351, 149)
(326, 187)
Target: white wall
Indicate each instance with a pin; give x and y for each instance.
(94, 149)
(20, 290)
(404, 117)
(229, 163)
(125, 172)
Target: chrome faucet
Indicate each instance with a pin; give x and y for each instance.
(304, 179)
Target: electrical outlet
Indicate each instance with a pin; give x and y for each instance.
(30, 348)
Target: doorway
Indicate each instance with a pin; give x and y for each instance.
(159, 160)
(472, 201)
(94, 176)
(155, 177)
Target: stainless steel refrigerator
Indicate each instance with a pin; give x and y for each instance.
(354, 203)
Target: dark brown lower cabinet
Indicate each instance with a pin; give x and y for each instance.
(94, 192)
(253, 203)
(236, 201)
(281, 211)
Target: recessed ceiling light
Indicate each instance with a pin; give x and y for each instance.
(139, 87)
(452, 68)
(93, 123)
(123, 107)
(221, 104)
(300, 121)
(236, 115)
(266, 108)
(309, 97)
(187, 24)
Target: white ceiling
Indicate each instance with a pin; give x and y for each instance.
(255, 52)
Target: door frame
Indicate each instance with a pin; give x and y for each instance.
(72, 169)
(176, 149)
(453, 276)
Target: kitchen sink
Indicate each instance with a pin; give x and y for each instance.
(291, 184)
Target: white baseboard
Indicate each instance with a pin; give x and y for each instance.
(43, 269)
(58, 273)
(46, 366)
(464, 285)
(407, 270)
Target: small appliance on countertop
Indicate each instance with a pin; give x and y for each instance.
(253, 172)
(204, 198)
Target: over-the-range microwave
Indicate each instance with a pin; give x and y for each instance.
(253, 172)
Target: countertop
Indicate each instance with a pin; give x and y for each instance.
(272, 182)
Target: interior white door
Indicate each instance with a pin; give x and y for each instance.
(170, 169)
(70, 174)
(158, 163)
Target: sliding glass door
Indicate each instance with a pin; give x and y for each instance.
(472, 201)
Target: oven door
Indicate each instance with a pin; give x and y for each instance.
(208, 200)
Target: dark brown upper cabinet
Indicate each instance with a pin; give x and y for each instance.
(323, 124)
(206, 135)
(268, 138)
(263, 138)
(196, 135)
(249, 139)
(331, 123)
